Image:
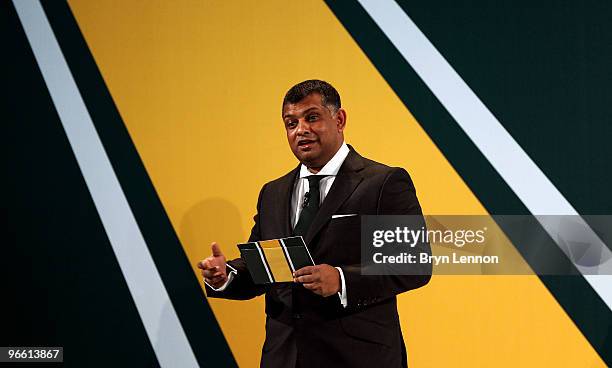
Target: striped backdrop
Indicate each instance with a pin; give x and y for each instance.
(138, 132)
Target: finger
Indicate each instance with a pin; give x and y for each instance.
(219, 279)
(208, 273)
(311, 285)
(306, 279)
(201, 264)
(206, 264)
(216, 250)
(304, 271)
(217, 272)
(216, 281)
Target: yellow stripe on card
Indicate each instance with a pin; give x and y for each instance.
(276, 260)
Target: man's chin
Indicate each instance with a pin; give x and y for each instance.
(307, 159)
(304, 156)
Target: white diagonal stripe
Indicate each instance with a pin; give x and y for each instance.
(144, 282)
(265, 263)
(286, 251)
(523, 176)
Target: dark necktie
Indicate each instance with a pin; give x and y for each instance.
(310, 206)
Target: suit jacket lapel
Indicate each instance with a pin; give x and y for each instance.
(283, 207)
(345, 183)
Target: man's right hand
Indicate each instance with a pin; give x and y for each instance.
(213, 268)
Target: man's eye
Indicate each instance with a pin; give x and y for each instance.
(291, 124)
(312, 117)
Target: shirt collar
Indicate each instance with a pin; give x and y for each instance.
(332, 167)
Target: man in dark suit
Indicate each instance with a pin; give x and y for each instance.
(331, 315)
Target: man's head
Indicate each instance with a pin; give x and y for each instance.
(314, 121)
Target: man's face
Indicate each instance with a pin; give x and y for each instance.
(314, 132)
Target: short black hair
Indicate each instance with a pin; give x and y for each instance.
(329, 95)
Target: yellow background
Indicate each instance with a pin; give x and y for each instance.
(199, 85)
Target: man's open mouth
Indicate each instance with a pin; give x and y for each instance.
(305, 142)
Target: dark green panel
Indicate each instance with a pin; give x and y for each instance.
(543, 68)
(61, 283)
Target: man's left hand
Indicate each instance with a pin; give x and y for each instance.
(321, 279)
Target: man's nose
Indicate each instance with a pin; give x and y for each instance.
(303, 127)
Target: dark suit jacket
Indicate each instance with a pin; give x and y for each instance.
(306, 330)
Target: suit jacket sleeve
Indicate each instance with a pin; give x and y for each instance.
(397, 197)
(242, 286)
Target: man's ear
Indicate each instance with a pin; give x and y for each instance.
(341, 119)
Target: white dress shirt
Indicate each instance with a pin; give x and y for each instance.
(301, 187)
(330, 170)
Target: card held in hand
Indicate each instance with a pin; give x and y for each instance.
(275, 260)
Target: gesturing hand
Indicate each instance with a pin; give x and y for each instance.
(321, 279)
(213, 268)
